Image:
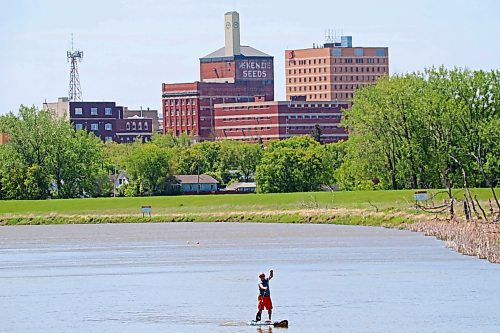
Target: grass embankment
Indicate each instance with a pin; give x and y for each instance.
(370, 208)
(194, 206)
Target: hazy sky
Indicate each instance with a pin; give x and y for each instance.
(132, 46)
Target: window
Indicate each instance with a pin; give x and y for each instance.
(94, 127)
(93, 111)
(140, 126)
(145, 126)
(78, 111)
(108, 111)
(336, 52)
(108, 139)
(127, 126)
(78, 126)
(134, 126)
(108, 127)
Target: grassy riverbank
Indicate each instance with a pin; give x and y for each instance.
(220, 204)
(393, 209)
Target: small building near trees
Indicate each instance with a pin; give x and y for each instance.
(246, 187)
(192, 184)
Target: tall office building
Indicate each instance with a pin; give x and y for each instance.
(334, 70)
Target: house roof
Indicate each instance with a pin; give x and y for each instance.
(135, 117)
(193, 179)
(237, 185)
(246, 51)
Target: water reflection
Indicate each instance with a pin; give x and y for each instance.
(265, 330)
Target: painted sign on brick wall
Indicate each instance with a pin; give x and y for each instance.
(254, 69)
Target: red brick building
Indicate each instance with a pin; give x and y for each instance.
(4, 138)
(272, 120)
(333, 71)
(233, 73)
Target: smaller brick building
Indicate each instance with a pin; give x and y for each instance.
(271, 120)
(105, 119)
(4, 138)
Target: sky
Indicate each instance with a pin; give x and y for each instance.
(131, 47)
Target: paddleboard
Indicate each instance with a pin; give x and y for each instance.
(282, 323)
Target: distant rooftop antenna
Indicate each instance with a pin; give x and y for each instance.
(329, 37)
(75, 90)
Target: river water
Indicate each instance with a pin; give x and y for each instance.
(202, 277)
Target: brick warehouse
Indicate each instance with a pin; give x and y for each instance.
(333, 71)
(271, 120)
(233, 73)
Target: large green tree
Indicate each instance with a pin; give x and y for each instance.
(45, 157)
(150, 169)
(298, 164)
(421, 130)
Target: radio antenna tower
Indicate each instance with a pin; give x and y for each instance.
(75, 90)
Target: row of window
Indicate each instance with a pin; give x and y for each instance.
(181, 123)
(305, 105)
(247, 118)
(334, 96)
(95, 126)
(129, 139)
(338, 69)
(325, 87)
(337, 61)
(183, 112)
(335, 77)
(109, 127)
(251, 107)
(307, 62)
(299, 105)
(180, 101)
(94, 111)
(236, 129)
(137, 126)
(330, 116)
(309, 127)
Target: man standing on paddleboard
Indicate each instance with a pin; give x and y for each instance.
(264, 296)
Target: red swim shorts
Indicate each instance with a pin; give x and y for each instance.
(265, 302)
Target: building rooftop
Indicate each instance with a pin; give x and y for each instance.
(235, 186)
(193, 179)
(246, 51)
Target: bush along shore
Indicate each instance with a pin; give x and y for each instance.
(481, 239)
(474, 238)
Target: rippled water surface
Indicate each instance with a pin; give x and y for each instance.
(202, 277)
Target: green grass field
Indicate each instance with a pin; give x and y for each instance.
(202, 204)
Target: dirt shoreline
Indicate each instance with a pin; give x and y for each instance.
(473, 238)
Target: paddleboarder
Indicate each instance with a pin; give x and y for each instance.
(264, 296)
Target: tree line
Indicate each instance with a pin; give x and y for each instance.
(434, 129)
(438, 128)
(47, 158)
